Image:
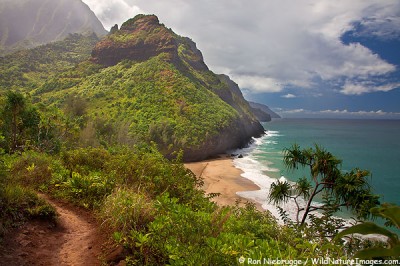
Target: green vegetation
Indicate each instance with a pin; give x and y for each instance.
(29, 69)
(175, 102)
(26, 126)
(19, 203)
(20, 122)
(391, 249)
(153, 207)
(112, 140)
(151, 100)
(336, 188)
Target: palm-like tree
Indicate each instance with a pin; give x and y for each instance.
(13, 108)
(350, 190)
(19, 121)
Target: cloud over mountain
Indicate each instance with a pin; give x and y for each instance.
(267, 46)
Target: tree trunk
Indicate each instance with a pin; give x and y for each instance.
(307, 209)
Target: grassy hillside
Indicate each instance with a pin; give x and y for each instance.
(27, 70)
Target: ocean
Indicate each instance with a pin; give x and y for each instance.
(373, 145)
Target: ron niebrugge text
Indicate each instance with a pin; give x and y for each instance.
(316, 261)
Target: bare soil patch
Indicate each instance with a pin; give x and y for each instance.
(74, 240)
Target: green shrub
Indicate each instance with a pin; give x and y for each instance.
(43, 211)
(84, 160)
(32, 169)
(125, 210)
(147, 169)
(87, 190)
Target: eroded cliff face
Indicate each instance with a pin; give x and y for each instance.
(139, 39)
(142, 38)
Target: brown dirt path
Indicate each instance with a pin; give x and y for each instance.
(74, 241)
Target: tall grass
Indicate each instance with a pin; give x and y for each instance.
(125, 210)
(17, 204)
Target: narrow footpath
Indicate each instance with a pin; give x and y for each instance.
(74, 241)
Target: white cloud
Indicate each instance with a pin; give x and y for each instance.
(266, 46)
(289, 96)
(293, 111)
(111, 12)
(358, 88)
(257, 83)
(358, 113)
(337, 113)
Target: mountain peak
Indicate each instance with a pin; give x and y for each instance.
(138, 39)
(140, 21)
(143, 37)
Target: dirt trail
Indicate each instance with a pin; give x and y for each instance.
(74, 241)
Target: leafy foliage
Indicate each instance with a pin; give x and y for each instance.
(27, 126)
(392, 214)
(155, 100)
(64, 135)
(338, 189)
(32, 169)
(178, 104)
(154, 209)
(28, 69)
(19, 122)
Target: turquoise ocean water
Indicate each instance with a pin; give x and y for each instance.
(367, 144)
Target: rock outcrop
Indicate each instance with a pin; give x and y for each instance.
(142, 38)
(138, 39)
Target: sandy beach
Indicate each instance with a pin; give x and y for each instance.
(221, 176)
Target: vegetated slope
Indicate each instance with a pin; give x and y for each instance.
(154, 86)
(28, 69)
(29, 23)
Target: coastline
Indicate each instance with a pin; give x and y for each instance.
(221, 176)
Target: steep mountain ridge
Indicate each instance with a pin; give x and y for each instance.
(204, 114)
(143, 37)
(264, 109)
(29, 23)
(143, 83)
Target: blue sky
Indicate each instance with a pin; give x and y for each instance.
(303, 58)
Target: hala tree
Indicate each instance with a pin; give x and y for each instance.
(19, 121)
(327, 181)
(23, 125)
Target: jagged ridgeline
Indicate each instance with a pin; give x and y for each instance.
(144, 83)
(29, 23)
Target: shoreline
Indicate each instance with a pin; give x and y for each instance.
(221, 176)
